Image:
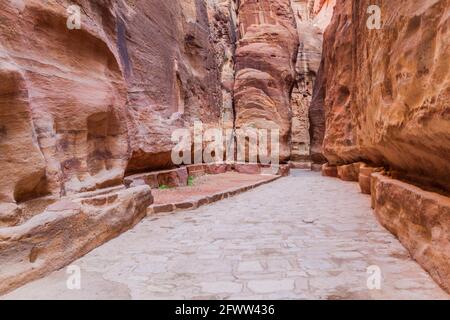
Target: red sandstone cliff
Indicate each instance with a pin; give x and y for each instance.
(387, 90)
(265, 67)
(312, 16)
(79, 109)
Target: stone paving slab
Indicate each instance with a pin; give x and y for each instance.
(300, 237)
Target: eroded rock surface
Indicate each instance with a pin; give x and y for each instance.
(386, 95)
(265, 67)
(82, 108)
(312, 16)
(102, 100)
(67, 230)
(387, 90)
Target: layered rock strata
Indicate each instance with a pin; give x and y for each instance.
(386, 90)
(66, 230)
(312, 16)
(265, 68)
(83, 105)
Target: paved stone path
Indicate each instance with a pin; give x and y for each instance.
(301, 237)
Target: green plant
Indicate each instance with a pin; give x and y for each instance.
(190, 181)
(163, 187)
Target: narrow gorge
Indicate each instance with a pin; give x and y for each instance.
(88, 114)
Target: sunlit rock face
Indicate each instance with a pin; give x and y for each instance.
(387, 90)
(223, 20)
(312, 16)
(265, 68)
(63, 115)
(80, 108)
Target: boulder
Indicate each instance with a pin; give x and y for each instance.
(67, 230)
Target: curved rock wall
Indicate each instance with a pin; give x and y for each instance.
(265, 67)
(387, 90)
(174, 79)
(312, 16)
(81, 108)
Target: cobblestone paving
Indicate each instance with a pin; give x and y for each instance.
(301, 237)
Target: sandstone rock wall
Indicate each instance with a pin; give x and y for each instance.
(387, 91)
(312, 16)
(265, 67)
(337, 77)
(175, 76)
(223, 15)
(82, 108)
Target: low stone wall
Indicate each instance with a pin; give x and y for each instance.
(421, 221)
(365, 178)
(329, 171)
(200, 201)
(179, 177)
(349, 172)
(170, 178)
(356, 172)
(303, 165)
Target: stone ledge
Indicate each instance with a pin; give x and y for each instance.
(365, 180)
(305, 165)
(251, 168)
(419, 219)
(172, 178)
(349, 172)
(65, 231)
(355, 172)
(329, 171)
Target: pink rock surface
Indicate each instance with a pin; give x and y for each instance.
(307, 122)
(81, 108)
(105, 99)
(265, 68)
(66, 231)
(387, 90)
